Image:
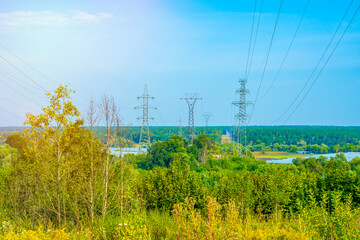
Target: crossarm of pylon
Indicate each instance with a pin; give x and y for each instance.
(237, 103)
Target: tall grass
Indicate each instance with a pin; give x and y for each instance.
(331, 219)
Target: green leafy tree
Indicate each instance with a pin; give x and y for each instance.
(163, 187)
(162, 153)
(50, 136)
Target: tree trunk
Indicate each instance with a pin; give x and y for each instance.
(106, 181)
(58, 187)
(122, 187)
(92, 182)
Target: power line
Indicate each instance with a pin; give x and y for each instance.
(6, 100)
(6, 121)
(23, 73)
(253, 46)
(317, 65)
(266, 61)
(34, 69)
(19, 79)
(156, 105)
(12, 79)
(251, 34)
(288, 50)
(14, 89)
(28, 65)
(14, 114)
(326, 62)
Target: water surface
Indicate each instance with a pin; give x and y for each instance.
(349, 156)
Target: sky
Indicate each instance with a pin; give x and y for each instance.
(178, 47)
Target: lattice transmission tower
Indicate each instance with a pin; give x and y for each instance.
(241, 116)
(206, 118)
(145, 116)
(180, 128)
(191, 99)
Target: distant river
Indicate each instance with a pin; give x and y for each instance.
(123, 151)
(349, 156)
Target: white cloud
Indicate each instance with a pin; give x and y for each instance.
(80, 17)
(49, 18)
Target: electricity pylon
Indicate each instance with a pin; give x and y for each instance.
(145, 116)
(206, 117)
(241, 116)
(191, 99)
(180, 128)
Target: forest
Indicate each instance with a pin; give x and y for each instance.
(269, 135)
(314, 139)
(59, 180)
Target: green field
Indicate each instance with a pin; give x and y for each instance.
(277, 155)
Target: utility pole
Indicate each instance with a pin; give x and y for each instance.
(241, 116)
(191, 99)
(145, 116)
(206, 117)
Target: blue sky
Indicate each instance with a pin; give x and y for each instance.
(175, 47)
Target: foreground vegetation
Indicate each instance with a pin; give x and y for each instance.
(58, 181)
